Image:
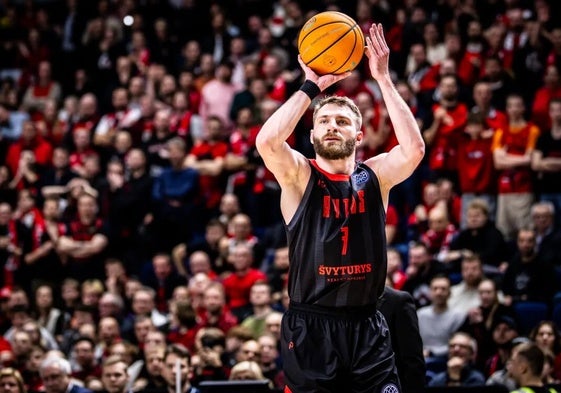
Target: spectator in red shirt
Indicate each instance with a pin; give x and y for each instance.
(207, 157)
(237, 285)
(440, 233)
(29, 140)
(512, 149)
(476, 170)
(483, 97)
(215, 312)
(551, 89)
(442, 136)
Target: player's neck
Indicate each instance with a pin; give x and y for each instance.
(344, 166)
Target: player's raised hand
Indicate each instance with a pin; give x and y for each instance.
(323, 81)
(377, 52)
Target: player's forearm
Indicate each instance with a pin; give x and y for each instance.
(405, 126)
(282, 123)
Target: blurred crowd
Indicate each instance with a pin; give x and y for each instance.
(141, 242)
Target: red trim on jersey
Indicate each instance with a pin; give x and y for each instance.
(330, 176)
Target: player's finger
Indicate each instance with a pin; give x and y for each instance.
(383, 38)
(376, 50)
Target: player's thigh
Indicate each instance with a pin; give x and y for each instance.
(310, 362)
(373, 368)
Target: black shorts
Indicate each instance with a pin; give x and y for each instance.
(325, 350)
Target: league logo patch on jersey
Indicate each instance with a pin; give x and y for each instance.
(360, 178)
(390, 388)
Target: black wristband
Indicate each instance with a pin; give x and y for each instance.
(310, 89)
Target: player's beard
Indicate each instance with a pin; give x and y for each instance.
(332, 151)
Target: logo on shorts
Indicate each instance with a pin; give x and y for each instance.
(291, 345)
(390, 388)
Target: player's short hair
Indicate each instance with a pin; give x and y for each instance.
(342, 102)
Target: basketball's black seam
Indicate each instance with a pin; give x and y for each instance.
(351, 53)
(333, 43)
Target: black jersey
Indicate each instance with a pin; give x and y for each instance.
(337, 240)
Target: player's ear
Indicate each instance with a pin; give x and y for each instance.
(359, 137)
(312, 136)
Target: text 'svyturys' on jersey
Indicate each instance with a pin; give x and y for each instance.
(337, 240)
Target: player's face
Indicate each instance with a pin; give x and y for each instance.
(335, 134)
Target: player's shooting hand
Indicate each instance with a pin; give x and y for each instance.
(377, 52)
(323, 81)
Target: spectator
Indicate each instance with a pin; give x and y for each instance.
(164, 280)
(177, 355)
(55, 372)
(30, 141)
(144, 304)
(155, 138)
(512, 149)
(547, 336)
(215, 311)
(480, 236)
(421, 269)
(438, 322)
(107, 334)
(114, 375)
(439, 234)
(46, 314)
(11, 381)
(43, 88)
(395, 269)
(84, 241)
(175, 195)
(442, 136)
(261, 300)
(548, 235)
(546, 162)
(14, 237)
(269, 360)
(122, 117)
(207, 157)
(464, 296)
(183, 323)
(476, 169)
(528, 277)
(211, 358)
(482, 320)
(217, 95)
(462, 349)
(550, 90)
(85, 365)
(237, 284)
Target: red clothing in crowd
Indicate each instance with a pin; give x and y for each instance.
(476, 169)
(540, 107)
(211, 186)
(41, 148)
(237, 287)
(443, 152)
(516, 141)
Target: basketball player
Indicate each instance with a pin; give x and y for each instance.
(334, 339)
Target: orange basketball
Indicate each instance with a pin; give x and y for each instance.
(331, 43)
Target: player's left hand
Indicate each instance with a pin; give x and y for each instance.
(378, 52)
